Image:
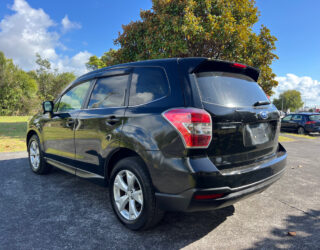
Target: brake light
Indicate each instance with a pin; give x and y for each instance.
(311, 122)
(194, 126)
(238, 65)
(207, 196)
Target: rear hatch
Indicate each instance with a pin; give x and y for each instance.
(314, 121)
(245, 125)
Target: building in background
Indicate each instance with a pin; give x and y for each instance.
(312, 108)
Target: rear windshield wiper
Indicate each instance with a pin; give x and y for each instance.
(260, 103)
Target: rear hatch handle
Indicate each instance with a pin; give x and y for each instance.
(261, 103)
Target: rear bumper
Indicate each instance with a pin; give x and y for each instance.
(263, 175)
(312, 129)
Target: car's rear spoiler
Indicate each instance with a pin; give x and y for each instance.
(217, 65)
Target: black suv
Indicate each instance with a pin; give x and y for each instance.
(301, 123)
(174, 134)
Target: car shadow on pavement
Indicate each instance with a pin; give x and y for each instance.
(181, 229)
(301, 232)
(64, 211)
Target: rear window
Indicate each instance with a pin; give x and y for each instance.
(314, 117)
(148, 84)
(229, 89)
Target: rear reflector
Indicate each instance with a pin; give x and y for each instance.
(207, 196)
(194, 126)
(311, 122)
(238, 65)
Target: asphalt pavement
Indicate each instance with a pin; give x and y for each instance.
(61, 211)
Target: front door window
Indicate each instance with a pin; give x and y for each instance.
(74, 98)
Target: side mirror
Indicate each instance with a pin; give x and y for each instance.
(47, 107)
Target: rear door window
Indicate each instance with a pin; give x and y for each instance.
(109, 92)
(229, 89)
(297, 118)
(148, 84)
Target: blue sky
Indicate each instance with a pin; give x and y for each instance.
(68, 32)
(296, 24)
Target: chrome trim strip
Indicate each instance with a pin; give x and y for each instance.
(229, 127)
(86, 174)
(62, 166)
(72, 170)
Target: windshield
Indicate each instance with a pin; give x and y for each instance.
(314, 117)
(229, 89)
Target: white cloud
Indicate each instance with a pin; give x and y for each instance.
(309, 88)
(29, 31)
(68, 25)
(74, 64)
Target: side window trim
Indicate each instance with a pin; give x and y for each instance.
(95, 80)
(155, 100)
(127, 94)
(57, 101)
(86, 102)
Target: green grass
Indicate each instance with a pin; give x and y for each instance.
(301, 136)
(14, 119)
(285, 139)
(13, 133)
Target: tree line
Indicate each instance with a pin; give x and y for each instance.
(21, 92)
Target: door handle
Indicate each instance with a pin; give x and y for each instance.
(111, 120)
(70, 122)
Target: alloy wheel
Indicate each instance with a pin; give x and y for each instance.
(34, 155)
(128, 195)
(301, 131)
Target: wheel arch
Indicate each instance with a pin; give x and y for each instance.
(116, 156)
(30, 134)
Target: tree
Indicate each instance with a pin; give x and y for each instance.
(290, 99)
(21, 92)
(108, 59)
(218, 29)
(17, 89)
(50, 82)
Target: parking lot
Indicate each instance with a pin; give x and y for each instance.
(62, 211)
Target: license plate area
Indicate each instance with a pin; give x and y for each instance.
(258, 133)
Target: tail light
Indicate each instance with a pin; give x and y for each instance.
(311, 122)
(194, 126)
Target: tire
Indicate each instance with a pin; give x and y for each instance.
(145, 213)
(36, 160)
(301, 131)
